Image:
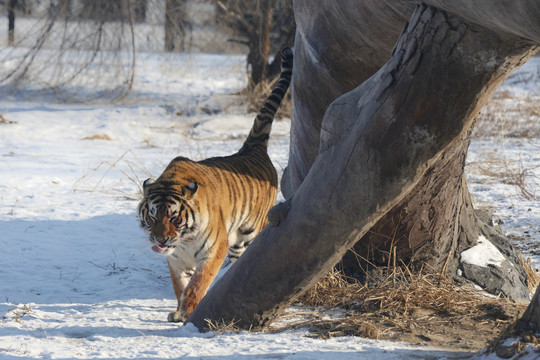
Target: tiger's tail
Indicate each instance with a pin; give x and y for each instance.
(260, 132)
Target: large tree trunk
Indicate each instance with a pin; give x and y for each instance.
(377, 144)
(436, 221)
(344, 43)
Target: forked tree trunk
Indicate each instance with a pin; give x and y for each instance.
(436, 221)
(377, 144)
(433, 225)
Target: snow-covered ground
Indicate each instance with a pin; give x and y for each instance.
(77, 276)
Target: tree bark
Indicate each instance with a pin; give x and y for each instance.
(286, 28)
(11, 21)
(174, 25)
(345, 55)
(530, 321)
(259, 41)
(377, 143)
(436, 221)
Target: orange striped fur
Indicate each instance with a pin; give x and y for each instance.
(198, 212)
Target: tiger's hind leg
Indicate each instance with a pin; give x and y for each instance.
(243, 238)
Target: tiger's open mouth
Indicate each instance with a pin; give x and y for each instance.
(160, 249)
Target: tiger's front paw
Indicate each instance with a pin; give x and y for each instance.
(175, 316)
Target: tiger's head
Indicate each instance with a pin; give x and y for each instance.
(167, 213)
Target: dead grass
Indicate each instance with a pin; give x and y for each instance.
(128, 168)
(510, 116)
(98, 137)
(17, 313)
(422, 308)
(511, 173)
(4, 121)
(222, 327)
(533, 277)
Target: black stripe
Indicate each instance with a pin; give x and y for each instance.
(273, 101)
(201, 248)
(247, 232)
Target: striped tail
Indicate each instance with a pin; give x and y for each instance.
(260, 132)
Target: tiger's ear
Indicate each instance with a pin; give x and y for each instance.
(147, 183)
(191, 189)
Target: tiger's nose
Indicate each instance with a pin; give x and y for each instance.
(161, 240)
(164, 240)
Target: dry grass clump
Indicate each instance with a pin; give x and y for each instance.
(222, 327)
(98, 137)
(409, 307)
(4, 121)
(257, 94)
(533, 277)
(17, 313)
(395, 304)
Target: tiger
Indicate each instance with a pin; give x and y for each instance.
(198, 212)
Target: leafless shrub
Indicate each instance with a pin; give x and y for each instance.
(511, 173)
(518, 177)
(94, 34)
(253, 24)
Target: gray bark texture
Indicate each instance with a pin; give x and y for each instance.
(375, 143)
(344, 56)
(530, 321)
(436, 221)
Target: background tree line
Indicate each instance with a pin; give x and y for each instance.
(104, 28)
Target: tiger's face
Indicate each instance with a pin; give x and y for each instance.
(166, 214)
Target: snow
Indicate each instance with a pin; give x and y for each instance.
(102, 331)
(78, 279)
(525, 81)
(482, 254)
(493, 164)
